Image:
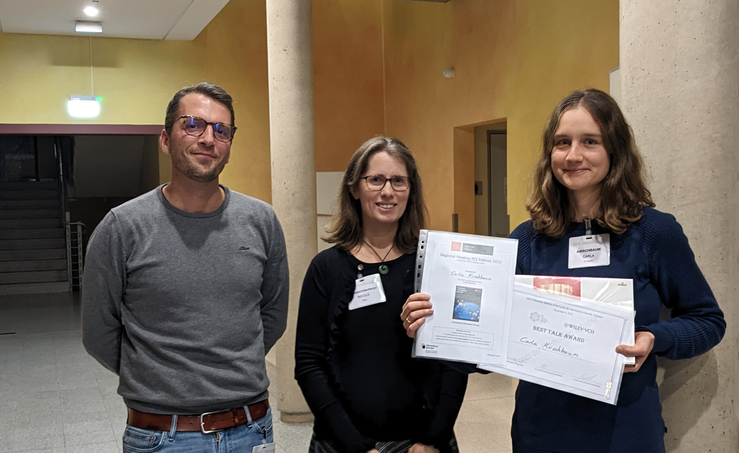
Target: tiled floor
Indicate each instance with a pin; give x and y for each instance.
(54, 398)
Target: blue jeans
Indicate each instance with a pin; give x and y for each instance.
(239, 439)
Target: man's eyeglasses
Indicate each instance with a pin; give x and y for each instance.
(377, 182)
(196, 126)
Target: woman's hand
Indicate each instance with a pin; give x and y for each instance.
(374, 450)
(414, 313)
(421, 448)
(643, 344)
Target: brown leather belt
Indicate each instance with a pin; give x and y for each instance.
(206, 423)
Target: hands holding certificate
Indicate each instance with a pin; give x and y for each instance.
(419, 305)
(471, 278)
(573, 346)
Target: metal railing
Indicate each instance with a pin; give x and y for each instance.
(74, 231)
(75, 253)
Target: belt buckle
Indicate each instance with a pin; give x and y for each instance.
(202, 422)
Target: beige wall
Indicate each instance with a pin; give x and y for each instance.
(679, 83)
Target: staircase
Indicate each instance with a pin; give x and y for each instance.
(33, 250)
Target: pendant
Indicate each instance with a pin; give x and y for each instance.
(384, 269)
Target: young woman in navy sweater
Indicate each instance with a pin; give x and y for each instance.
(589, 179)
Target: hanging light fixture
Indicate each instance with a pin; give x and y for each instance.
(88, 26)
(85, 106)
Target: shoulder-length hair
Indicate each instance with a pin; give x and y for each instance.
(624, 193)
(345, 227)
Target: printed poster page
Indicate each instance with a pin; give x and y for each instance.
(470, 281)
(618, 292)
(566, 344)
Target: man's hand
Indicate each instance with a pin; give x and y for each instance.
(414, 313)
(643, 344)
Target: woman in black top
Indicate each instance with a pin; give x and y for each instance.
(353, 360)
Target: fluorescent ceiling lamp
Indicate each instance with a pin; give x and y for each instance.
(88, 26)
(83, 106)
(91, 11)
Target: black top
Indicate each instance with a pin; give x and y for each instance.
(355, 366)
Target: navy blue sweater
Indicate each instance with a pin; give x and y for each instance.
(655, 253)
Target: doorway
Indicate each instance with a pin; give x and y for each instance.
(491, 184)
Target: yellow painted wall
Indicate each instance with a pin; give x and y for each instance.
(514, 60)
(137, 78)
(347, 78)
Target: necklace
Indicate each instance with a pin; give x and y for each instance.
(383, 267)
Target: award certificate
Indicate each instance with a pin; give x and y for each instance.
(470, 281)
(566, 344)
(618, 292)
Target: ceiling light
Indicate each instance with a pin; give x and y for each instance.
(87, 26)
(91, 11)
(83, 106)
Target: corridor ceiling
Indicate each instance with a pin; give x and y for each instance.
(142, 19)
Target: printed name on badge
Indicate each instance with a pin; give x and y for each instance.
(367, 291)
(589, 251)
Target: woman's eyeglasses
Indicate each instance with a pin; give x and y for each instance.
(377, 182)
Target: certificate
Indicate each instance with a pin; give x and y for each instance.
(566, 344)
(470, 281)
(614, 291)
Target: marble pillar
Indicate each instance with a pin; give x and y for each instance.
(290, 69)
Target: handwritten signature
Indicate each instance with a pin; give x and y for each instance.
(587, 377)
(560, 349)
(470, 274)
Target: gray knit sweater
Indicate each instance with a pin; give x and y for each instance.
(184, 306)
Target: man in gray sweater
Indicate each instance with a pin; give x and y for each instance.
(186, 290)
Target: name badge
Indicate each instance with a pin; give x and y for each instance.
(264, 448)
(368, 291)
(590, 251)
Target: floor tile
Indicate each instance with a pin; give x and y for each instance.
(106, 447)
(48, 379)
(85, 432)
(39, 437)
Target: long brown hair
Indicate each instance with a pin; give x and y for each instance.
(345, 227)
(624, 193)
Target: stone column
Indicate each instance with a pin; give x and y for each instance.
(290, 63)
(680, 92)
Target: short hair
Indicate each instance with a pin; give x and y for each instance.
(345, 227)
(624, 193)
(208, 89)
